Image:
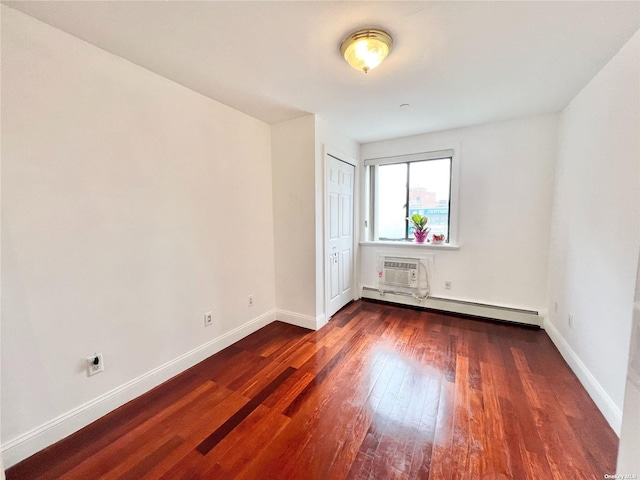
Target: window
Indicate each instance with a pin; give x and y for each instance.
(402, 186)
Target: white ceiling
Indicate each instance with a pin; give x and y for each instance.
(455, 63)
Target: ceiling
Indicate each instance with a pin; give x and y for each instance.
(455, 63)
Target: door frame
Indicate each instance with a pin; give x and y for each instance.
(341, 156)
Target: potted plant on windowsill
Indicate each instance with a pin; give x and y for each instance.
(420, 229)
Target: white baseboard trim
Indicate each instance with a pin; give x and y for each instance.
(321, 321)
(507, 314)
(304, 321)
(599, 395)
(33, 441)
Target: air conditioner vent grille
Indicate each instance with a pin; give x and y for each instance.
(400, 272)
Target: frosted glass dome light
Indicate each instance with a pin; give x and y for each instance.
(365, 49)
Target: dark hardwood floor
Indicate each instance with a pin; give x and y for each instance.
(381, 392)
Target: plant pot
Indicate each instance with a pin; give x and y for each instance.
(420, 236)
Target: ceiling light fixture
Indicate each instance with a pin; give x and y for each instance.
(365, 49)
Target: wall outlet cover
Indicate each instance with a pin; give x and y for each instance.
(95, 364)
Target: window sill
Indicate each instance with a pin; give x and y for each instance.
(428, 246)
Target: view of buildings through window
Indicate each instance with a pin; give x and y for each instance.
(416, 187)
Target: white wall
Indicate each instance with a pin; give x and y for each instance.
(294, 219)
(504, 204)
(628, 459)
(298, 148)
(130, 206)
(596, 227)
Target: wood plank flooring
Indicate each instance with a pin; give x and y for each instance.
(382, 392)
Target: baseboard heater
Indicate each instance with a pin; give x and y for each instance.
(494, 312)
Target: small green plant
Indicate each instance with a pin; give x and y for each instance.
(418, 222)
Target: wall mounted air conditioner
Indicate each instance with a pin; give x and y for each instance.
(402, 275)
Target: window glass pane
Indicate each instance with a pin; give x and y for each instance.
(429, 192)
(392, 201)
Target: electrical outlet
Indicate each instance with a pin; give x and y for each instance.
(95, 364)
(570, 320)
(208, 319)
(555, 307)
(251, 300)
(447, 285)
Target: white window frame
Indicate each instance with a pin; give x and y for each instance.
(370, 202)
